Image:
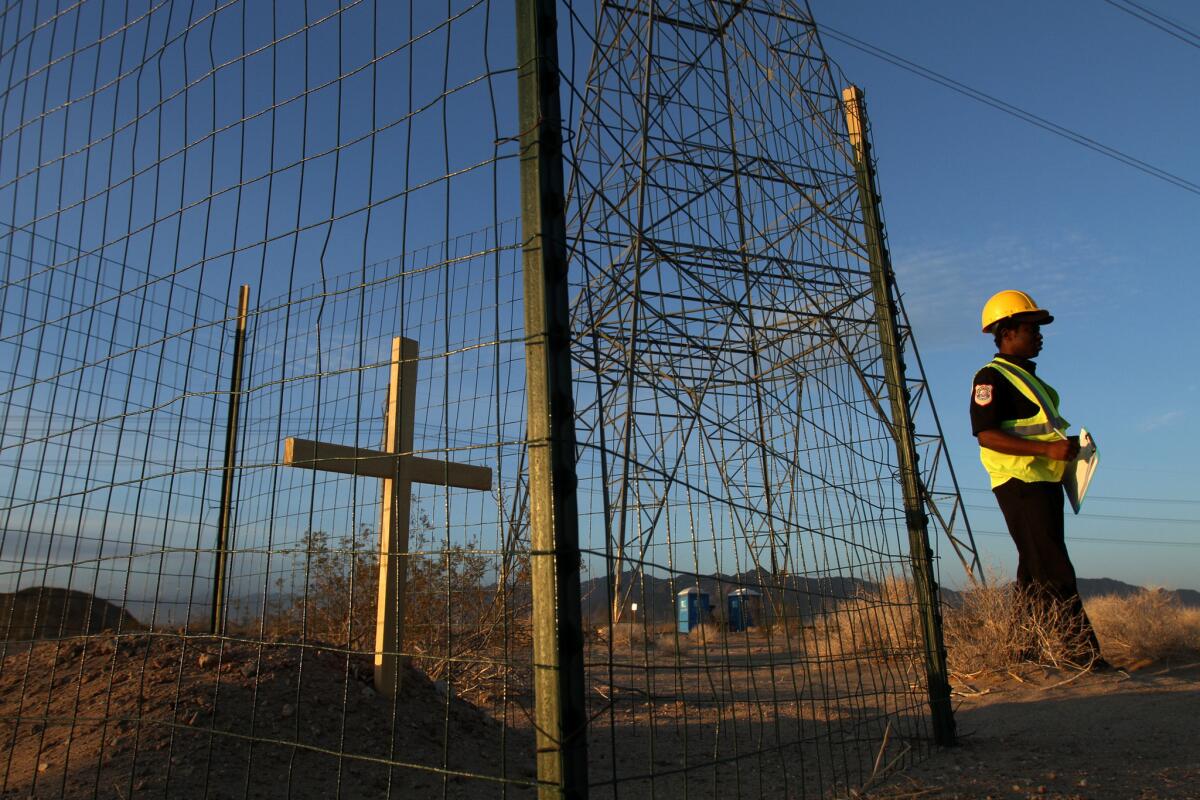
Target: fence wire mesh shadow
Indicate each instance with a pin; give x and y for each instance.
(289, 545)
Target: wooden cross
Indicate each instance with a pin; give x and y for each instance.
(398, 469)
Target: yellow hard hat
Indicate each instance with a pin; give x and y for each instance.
(1009, 303)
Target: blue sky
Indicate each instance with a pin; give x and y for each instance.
(977, 201)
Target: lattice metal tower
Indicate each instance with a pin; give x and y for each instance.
(726, 300)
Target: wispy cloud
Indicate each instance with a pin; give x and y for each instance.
(944, 285)
(1160, 420)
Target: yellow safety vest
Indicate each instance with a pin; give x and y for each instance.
(1047, 425)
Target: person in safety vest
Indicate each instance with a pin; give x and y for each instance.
(1025, 450)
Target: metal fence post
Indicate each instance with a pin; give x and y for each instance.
(882, 285)
(225, 520)
(554, 526)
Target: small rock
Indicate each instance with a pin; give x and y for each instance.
(286, 711)
(43, 766)
(206, 660)
(1082, 782)
(249, 669)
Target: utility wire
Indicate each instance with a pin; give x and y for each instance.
(1105, 540)
(1123, 518)
(1159, 500)
(1012, 110)
(1167, 26)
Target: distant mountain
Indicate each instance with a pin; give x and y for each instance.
(1099, 587)
(1094, 587)
(805, 597)
(655, 597)
(48, 612)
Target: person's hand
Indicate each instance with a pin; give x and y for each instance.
(1063, 450)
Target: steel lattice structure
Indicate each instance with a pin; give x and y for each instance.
(719, 218)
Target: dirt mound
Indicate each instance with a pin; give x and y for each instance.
(168, 716)
(48, 612)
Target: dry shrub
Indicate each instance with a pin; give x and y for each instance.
(880, 623)
(1150, 625)
(789, 628)
(337, 607)
(985, 631)
(705, 633)
(462, 621)
(1000, 628)
(634, 637)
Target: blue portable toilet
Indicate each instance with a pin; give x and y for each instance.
(692, 608)
(745, 609)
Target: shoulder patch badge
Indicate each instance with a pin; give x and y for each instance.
(983, 394)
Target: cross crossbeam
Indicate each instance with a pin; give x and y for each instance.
(364, 463)
(398, 469)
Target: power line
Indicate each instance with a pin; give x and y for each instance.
(1012, 110)
(1105, 540)
(1159, 500)
(1167, 26)
(1121, 517)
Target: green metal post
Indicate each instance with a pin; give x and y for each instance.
(882, 284)
(560, 712)
(225, 520)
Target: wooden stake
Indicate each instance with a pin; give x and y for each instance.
(225, 520)
(920, 553)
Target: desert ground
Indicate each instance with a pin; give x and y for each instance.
(161, 716)
(1122, 735)
(835, 711)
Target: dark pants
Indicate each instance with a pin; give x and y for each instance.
(1034, 513)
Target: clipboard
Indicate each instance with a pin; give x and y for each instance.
(1079, 472)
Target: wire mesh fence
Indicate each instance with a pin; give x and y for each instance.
(299, 548)
(736, 458)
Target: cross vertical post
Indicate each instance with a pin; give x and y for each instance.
(393, 523)
(891, 350)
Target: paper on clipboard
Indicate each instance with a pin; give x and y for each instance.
(1079, 472)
